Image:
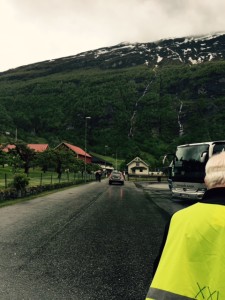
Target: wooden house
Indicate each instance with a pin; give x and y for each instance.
(79, 153)
(137, 167)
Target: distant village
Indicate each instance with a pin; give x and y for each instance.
(136, 167)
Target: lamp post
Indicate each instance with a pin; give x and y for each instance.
(85, 148)
(105, 156)
(116, 159)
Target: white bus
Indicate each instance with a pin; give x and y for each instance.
(187, 169)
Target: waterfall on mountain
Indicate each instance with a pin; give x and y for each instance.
(181, 129)
(132, 120)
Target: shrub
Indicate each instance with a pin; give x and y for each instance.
(20, 181)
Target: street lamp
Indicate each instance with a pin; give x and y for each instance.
(116, 159)
(85, 148)
(115, 155)
(105, 156)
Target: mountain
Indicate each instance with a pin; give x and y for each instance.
(186, 50)
(143, 98)
(190, 50)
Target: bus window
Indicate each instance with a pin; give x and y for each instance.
(191, 153)
(218, 148)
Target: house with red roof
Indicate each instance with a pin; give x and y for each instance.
(8, 147)
(38, 147)
(80, 153)
(35, 147)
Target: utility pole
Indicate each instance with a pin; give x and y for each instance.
(105, 156)
(85, 148)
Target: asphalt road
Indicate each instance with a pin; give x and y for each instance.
(89, 242)
(160, 194)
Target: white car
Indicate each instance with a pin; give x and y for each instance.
(116, 177)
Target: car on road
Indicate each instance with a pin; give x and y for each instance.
(116, 177)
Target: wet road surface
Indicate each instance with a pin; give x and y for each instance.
(89, 242)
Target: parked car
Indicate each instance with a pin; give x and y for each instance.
(116, 177)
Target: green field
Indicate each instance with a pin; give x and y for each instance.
(38, 177)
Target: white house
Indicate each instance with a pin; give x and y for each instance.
(137, 167)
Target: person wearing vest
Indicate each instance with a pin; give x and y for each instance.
(192, 262)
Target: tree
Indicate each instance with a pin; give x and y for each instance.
(59, 159)
(26, 155)
(3, 158)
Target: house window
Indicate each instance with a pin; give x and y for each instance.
(137, 164)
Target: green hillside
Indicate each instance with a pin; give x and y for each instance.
(136, 111)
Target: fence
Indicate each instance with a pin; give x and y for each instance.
(39, 183)
(48, 178)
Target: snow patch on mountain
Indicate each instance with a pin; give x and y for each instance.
(191, 50)
(185, 50)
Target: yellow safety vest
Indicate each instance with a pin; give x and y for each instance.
(192, 265)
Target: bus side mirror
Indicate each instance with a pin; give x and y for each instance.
(203, 157)
(166, 157)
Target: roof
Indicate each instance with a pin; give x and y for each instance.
(137, 159)
(76, 149)
(38, 147)
(35, 147)
(8, 147)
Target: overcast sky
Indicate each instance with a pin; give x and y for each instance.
(37, 30)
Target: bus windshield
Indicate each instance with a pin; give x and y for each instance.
(189, 163)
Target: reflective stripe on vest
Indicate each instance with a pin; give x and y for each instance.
(192, 265)
(155, 294)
